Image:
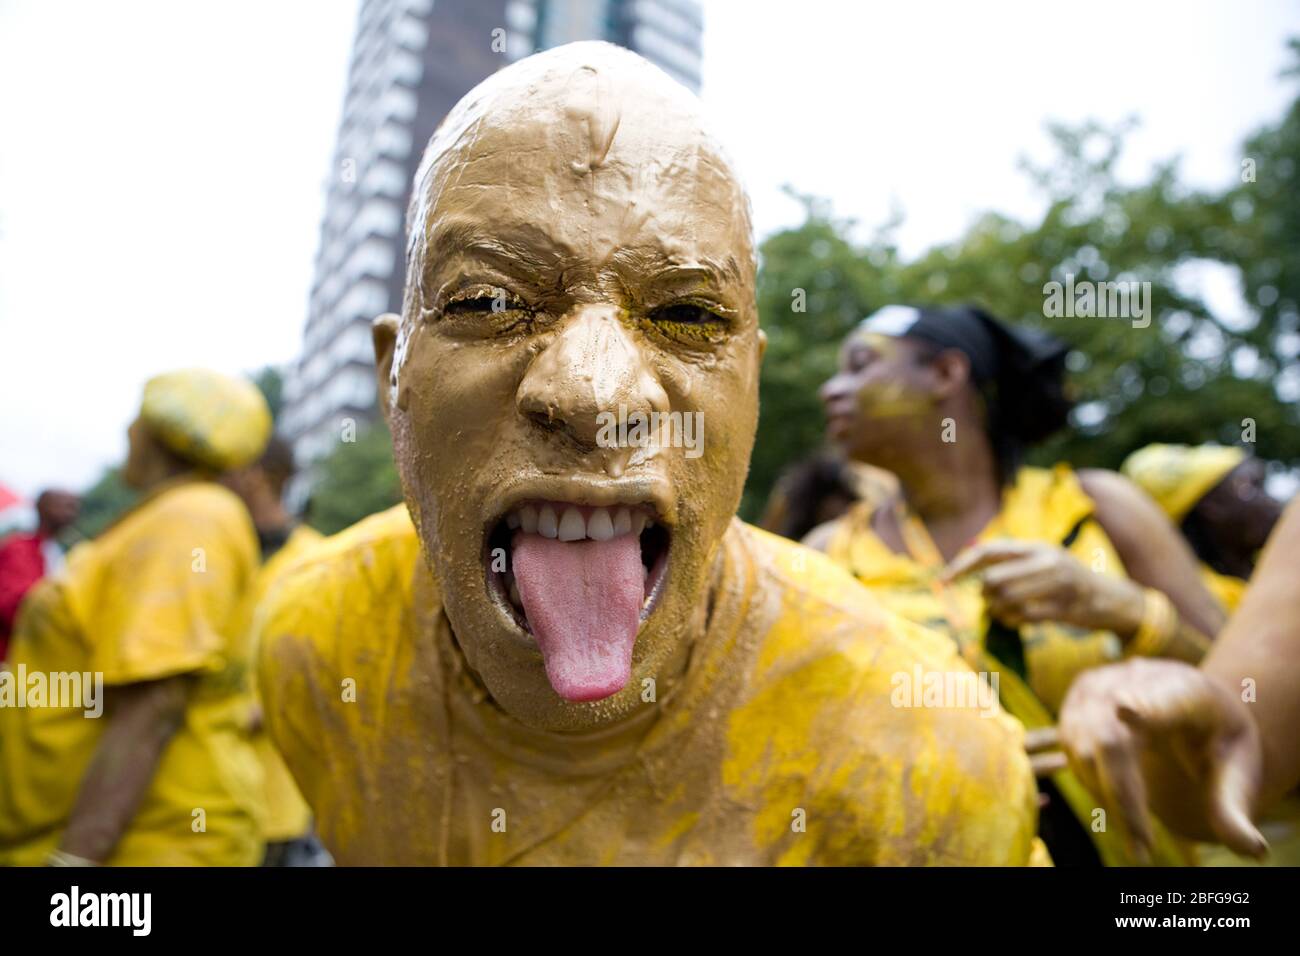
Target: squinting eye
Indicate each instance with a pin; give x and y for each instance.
(689, 324)
(484, 302)
(685, 313)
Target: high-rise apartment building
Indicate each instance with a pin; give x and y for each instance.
(411, 61)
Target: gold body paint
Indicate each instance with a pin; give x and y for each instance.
(583, 185)
(567, 215)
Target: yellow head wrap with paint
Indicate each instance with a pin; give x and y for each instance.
(1178, 476)
(207, 418)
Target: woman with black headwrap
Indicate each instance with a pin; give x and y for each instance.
(1037, 574)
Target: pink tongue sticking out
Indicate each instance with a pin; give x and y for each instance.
(583, 602)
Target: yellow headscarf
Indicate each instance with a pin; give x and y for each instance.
(207, 418)
(1178, 476)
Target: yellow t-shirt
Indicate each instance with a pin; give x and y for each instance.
(780, 744)
(155, 596)
(287, 815)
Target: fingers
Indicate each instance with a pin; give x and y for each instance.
(1009, 585)
(1119, 773)
(1025, 600)
(1045, 756)
(985, 555)
(1046, 764)
(1028, 566)
(1104, 752)
(1167, 697)
(1233, 792)
(1027, 588)
(1042, 738)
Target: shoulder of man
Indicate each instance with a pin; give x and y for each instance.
(202, 508)
(341, 588)
(200, 497)
(323, 627)
(825, 607)
(909, 776)
(195, 515)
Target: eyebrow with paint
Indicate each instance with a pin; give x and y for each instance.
(651, 269)
(526, 253)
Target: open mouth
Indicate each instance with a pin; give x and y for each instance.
(579, 579)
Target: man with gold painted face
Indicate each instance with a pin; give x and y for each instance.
(570, 651)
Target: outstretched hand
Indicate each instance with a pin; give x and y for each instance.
(1157, 734)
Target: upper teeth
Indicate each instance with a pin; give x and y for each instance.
(568, 524)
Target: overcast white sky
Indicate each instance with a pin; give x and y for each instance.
(161, 163)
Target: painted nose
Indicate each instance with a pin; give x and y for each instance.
(837, 386)
(590, 370)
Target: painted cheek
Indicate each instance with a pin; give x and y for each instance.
(889, 398)
(455, 391)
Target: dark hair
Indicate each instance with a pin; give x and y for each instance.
(277, 461)
(792, 509)
(1200, 535)
(1018, 373)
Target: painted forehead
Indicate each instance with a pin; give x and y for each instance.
(878, 342)
(590, 147)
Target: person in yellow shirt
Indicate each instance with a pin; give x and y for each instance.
(1216, 495)
(1036, 574)
(564, 648)
(283, 542)
(160, 771)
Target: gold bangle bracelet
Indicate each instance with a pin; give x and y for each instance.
(1158, 627)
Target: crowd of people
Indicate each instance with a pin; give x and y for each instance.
(561, 650)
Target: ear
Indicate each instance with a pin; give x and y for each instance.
(383, 332)
(951, 372)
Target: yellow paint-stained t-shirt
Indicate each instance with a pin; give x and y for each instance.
(780, 744)
(157, 595)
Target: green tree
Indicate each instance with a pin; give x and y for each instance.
(356, 479)
(103, 502)
(271, 382)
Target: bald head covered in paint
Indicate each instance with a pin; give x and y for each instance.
(580, 256)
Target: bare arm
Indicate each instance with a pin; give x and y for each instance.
(1155, 555)
(1261, 644)
(142, 718)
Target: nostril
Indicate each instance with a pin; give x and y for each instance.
(544, 418)
(550, 423)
